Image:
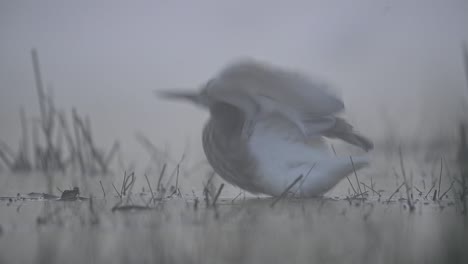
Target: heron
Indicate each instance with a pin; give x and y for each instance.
(268, 126)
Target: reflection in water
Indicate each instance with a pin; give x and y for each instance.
(299, 231)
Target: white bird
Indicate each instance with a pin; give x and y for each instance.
(267, 126)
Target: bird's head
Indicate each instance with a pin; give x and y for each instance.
(199, 97)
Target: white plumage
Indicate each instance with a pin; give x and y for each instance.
(283, 155)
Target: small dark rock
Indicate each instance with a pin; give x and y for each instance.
(70, 194)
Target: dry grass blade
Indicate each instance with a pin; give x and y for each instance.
(128, 182)
(119, 194)
(283, 194)
(47, 111)
(161, 175)
(79, 150)
(462, 158)
(35, 143)
(209, 186)
(372, 189)
(397, 190)
(66, 131)
(175, 170)
(359, 194)
(5, 159)
(355, 174)
(124, 182)
(149, 186)
(85, 130)
(102, 188)
(24, 146)
(440, 175)
(217, 194)
(237, 196)
(177, 181)
(8, 151)
(307, 175)
(434, 197)
(7, 155)
(465, 60)
(207, 196)
(38, 82)
(352, 187)
(408, 196)
(442, 196)
(417, 189)
(433, 185)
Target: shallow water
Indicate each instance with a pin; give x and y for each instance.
(247, 230)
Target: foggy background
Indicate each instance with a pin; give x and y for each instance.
(392, 60)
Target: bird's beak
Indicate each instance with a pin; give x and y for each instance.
(193, 97)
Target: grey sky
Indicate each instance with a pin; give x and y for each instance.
(106, 58)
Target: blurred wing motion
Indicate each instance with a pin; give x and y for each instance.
(259, 89)
(287, 89)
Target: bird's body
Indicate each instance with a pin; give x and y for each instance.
(286, 117)
(273, 156)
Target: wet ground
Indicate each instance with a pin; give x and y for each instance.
(40, 229)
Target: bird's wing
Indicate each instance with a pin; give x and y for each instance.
(311, 98)
(251, 79)
(318, 126)
(344, 131)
